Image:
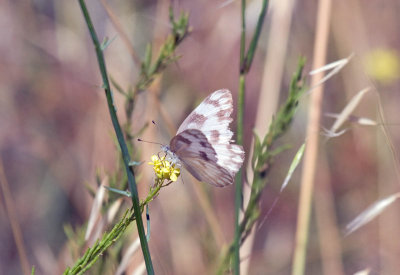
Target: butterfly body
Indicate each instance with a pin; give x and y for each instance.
(202, 143)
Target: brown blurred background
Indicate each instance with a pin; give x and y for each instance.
(55, 130)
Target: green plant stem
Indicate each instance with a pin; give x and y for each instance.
(238, 179)
(121, 140)
(263, 161)
(253, 44)
(246, 59)
(93, 253)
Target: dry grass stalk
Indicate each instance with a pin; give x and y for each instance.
(12, 216)
(310, 157)
(96, 207)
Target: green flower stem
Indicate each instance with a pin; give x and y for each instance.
(238, 179)
(92, 254)
(121, 140)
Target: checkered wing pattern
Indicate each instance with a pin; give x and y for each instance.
(202, 142)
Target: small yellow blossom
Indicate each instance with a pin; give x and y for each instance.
(163, 169)
(383, 65)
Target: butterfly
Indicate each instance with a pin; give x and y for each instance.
(203, 145)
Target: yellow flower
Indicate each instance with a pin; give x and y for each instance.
(383, 65)
(175, 172)
(163, 169)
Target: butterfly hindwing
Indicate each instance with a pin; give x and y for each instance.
(230, 156)
(208, 172)
(199, 158)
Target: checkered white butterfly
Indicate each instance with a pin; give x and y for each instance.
(202, 143)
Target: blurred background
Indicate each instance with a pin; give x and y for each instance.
(57, 142)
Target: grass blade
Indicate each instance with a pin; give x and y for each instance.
(370, 213)
(96, 207)
(296, 160)
(345, 114)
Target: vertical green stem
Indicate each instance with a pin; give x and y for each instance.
(121, 139)
(245, 63)
(238, 179)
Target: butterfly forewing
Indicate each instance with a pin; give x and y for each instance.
(212, 117)
(202, 142)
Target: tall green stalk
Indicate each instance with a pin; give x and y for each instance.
(238, 179)
(263, 158)
(239, 137)
(246, 59)
(121, 139)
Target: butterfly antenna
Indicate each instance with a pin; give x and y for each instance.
(139, 139)
(158, 127)
(153, 142)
